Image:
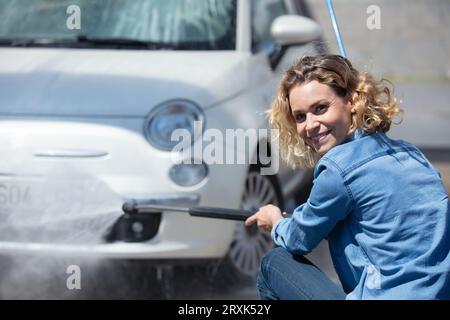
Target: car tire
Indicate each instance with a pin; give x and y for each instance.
(249, 244)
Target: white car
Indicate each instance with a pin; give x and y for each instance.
(90, 95)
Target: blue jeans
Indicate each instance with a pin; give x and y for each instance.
(284, 276)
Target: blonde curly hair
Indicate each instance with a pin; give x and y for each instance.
(374, 104)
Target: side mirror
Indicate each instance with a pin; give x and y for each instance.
(293, 29)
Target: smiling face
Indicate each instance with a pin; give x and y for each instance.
(323, 118)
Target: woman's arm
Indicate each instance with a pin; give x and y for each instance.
(329, 202)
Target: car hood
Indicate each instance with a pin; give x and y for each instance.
(63, 82)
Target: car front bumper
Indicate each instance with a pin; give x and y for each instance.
(88, 181)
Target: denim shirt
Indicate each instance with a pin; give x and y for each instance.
(385, 212)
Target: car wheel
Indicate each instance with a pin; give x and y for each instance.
(249, 244)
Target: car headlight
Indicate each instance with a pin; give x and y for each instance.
(169, 116)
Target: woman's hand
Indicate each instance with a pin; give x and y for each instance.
(265, 218)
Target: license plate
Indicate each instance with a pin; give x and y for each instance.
(15, 194)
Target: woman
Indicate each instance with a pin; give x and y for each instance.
(379, 202)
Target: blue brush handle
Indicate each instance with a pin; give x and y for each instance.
(336, 28)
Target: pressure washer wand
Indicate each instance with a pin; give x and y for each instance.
(140, 222)
(207, 212)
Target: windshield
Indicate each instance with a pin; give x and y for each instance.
(178, 24)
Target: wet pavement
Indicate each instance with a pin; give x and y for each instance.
(44, 277)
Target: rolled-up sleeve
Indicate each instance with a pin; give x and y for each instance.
(329, 202)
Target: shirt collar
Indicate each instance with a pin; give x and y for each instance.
(355, 135)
